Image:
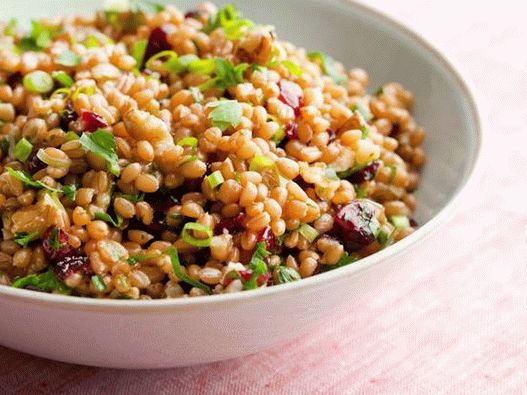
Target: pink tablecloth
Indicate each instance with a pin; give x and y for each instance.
(450, 321)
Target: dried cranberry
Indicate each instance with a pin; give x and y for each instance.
(14, 79)
(352, 222)
(413, 223)
(192, 14)
(68, 265)
(157, 41)
(365, 174)
(91, 121)
(55, 244)
(67, 116)
(162, 201)
(332, 135)
(267, 236)
(34, 164)
(396, 128)
(232, 225)
(263, 279)
(245, 275)
(291, 131)
(292, 95)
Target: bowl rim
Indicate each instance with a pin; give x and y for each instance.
(348, 272)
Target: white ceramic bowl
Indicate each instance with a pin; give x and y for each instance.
(166, 333)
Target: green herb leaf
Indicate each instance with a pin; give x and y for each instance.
(286, 274)
(22, 149)
(68, 59)
(227, 75)
(98, 283)
(176, 266)
(193, 241)
(257, 265)
(28, 180)
(102, 143)
(46, 282)
(226, 113)
(138, 52)
(10, 29)
(24, 238)
(139, 197)
(39, 37)
(54, 240)
(70, 191)
(231, 22)
(107, 218)
(328, 65)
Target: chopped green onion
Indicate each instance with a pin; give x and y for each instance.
(22, 150)
(363, 110)
(291, 66)
(215, 179)
(260, 162)
(38, 82)
(309, 233)
(62, 78)
(86, 90)
(178, 271)
(284, 274)
(61, 91)
(91, 42)
(71, 136)
(189, 239)
(171, 55)
(257, 265)
(68, 59)
(181, 64)
(53, 161)
(138, 52)
(202, 66)
(24, 238)
(188, 142)
(399, 221)
(98, 283)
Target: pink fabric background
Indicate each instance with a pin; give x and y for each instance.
(449, 321)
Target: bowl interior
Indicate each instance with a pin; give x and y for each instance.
(359, 38)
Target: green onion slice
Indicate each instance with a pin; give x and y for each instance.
(399, 221)
(23, 149)
(188, 142)
(62, 78)
(38, 82)
(171, 55)
(189, 239)
(309, 233)
(260, 162)
(178, 271)
(98, 283)
(215, 179)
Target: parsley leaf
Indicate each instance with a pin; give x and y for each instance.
(54, 240)
(70, 191)
(227, 75)
(46, 282)
(328, 65)
(286, 274)
(345, 259)
(226, 113)
(257, 265)
(24, 238)
(28, 180)
(39, 38)
(139, 197)
(107, 218)
(231, 21)
(68, 58)
(102, 143)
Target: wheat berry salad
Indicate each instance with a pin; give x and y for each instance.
(148, 153)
